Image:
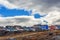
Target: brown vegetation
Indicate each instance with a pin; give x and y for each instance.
(32, 35)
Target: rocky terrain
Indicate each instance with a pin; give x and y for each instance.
(46, 35)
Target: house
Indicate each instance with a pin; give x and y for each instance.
(44, 27)
(19, 28)
(26, 29)
(52, 27)
(36, 27)
(32, 29)
(58, 27)
(40, 27)
(2, 31)
(10, 28)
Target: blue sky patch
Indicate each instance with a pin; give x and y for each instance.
(5, 12)
(13, 12)
(37, 15)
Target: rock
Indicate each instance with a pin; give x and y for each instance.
(56, 37)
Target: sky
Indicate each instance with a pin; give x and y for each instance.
(13, 12)
(29, 12)
(17, 12)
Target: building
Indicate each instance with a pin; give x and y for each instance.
(41, 27)
(10, 28)
(52, 27)
(2, 31)
(58, 27)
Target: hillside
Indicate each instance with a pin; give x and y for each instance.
(32, 35)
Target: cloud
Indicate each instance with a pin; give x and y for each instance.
(7, 4)
(18, 20)
(41, 6)
(38, 5)
(14, 20)
(47, 3)
(52, 17)
(50, 7)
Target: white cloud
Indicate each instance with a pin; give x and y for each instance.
(19, 20)
(52, 17)
(50, 7)
(41, 6)
(7, 4)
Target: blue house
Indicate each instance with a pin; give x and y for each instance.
(44, 27)
(40, 27)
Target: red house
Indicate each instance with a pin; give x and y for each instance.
(52, 27)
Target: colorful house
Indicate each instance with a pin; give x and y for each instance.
(58, 26)
(44, 27)
(41, 27)
(52, 27)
